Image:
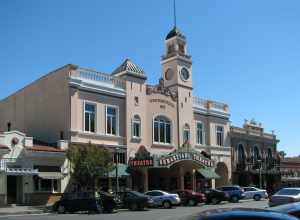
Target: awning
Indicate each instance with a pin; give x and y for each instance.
(122, 171)
(50, 175)
(208, 173)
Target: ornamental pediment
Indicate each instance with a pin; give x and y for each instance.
(161, 89)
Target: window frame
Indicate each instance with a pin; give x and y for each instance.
(136, 120)
(53, 190)
(222, 136)
(117, 120)
(166, 121)
(203, 133)
(187, 129)
(85, 102)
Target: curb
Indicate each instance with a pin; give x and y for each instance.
(23, 213)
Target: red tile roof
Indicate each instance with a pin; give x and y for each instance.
(45, 149)
(4, 147)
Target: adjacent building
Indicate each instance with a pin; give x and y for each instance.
(290, 171)
(169, 137)
(255, 160)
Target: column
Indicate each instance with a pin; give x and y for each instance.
(145, 172)
(213, 183)
(181, 178)
(193, 180)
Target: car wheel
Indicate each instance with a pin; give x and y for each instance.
(214, 201)
(167, 205)
(141, 207)
(133, 207)
(192, 202)
(234, 199)
(61, 209)
(257, 197)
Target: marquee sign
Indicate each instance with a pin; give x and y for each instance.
(172, 158)
(142, 158)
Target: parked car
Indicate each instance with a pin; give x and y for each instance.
(191, 198)
(255, 193)
(108, 202)
(241, 214)
(290, 208)
(215, 196)
(163, 199)
(284, 196)
(84, 201)
(235, 193)
(134, 200)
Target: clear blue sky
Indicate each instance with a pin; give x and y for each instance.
(245, 53)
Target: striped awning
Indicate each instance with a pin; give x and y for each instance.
(50, 175)
(20, 171)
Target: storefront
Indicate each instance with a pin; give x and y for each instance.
(180, 169)
(30, 174)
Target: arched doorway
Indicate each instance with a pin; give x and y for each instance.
(222, 171)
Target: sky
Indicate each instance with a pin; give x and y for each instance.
(245, 53)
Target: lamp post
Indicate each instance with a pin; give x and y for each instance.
(260, 178)
(117, 166)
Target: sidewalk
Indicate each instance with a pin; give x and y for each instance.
(21, 210)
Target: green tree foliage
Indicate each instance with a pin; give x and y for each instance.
(88, 164)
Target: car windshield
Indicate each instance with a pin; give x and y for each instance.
(292, 192)
(286, 208)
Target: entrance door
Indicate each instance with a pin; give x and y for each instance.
(11, 189)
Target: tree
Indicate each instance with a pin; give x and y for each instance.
(88, 164)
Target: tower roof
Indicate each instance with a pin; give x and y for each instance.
(129, 67)
(175, 32)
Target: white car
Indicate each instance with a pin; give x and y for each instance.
(163, 199)
(255, 193)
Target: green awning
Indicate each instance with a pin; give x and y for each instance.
(208, 173)
(122, 171)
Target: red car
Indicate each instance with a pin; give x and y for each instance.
(191, 198)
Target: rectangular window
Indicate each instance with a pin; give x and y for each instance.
(200, 133)
(45, 185)
(161, 132)
(89, 117)
(121, 158)
(136, 129)
(220, 135)
(111, 120)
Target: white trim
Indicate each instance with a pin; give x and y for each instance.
(140, 127)
(96, 110)
(203, 133)
(117, 119)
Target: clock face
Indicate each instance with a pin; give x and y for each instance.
(185, 74)
(169, 74)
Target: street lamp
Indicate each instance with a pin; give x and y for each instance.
(117, 166)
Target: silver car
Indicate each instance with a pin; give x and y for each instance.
(163, 199)
(255, 193)
(284, 196)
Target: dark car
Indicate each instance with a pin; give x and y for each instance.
(191, 198)
(235, 193)
(241, 214)
(215, 196)
(134, 200)
(291, 209)
(84, 201)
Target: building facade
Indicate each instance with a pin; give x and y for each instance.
(169, 137)
(30, 173)
(255, 160)
(290, 171)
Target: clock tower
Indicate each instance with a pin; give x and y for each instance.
(177, 76)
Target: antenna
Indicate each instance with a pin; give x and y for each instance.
(174, 8)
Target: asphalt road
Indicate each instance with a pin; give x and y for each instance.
(152, 214)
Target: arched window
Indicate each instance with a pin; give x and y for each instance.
(136, 126)
(162, 130)
(241, 154)
(256, 155)
(270, 154)
(186, 133)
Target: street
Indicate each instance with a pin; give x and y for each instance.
(157, 214)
